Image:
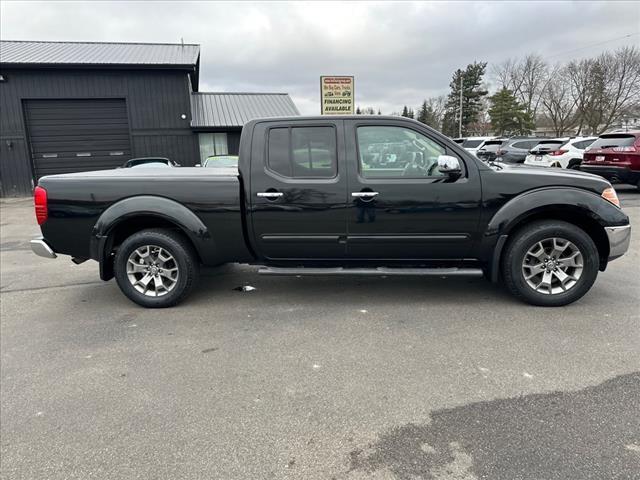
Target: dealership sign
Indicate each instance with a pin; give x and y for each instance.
(336, 95)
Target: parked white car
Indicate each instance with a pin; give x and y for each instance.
(472, 144)
(559, 152)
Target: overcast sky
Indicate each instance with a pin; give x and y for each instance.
(399, 53)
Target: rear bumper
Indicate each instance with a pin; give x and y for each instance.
(42, 248)
(538, 163)
(612, 173)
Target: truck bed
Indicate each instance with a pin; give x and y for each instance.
(77, 201)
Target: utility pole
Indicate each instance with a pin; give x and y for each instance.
(460, 119)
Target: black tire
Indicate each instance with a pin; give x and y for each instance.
(525, 239)
(184, 259)
(574, 164)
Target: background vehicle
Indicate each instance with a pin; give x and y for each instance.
(473, 144)
(515, 149)
(155, 161)
(559, 152)
(220, 161)
(616, 157)
(487, 151)
(333, 196)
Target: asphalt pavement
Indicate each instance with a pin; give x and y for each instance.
(313, 378)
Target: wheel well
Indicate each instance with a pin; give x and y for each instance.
(574, 161)
(575, 217)
(131, 225)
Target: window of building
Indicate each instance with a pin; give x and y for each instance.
(388, 152)
(212, 144)
(303, 152)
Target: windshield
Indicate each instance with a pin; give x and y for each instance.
(611, 141)
(221, 161)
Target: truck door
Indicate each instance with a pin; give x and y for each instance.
(401, 206)
(298, 190)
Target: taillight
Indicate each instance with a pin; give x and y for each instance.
(557, 153)
(611, 195)
(40, 201)
(624, 149)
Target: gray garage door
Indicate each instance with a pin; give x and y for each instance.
(77, 135)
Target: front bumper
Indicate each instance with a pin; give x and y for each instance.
(619, 239)
(42, 248)
(612, 173)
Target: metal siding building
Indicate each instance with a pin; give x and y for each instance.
(68, 107)
(78, 106)
(220, 116)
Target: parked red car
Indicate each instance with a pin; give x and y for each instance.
(616, 157)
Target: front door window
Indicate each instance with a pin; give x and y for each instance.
(397, 152)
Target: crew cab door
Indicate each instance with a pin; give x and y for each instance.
(401, 206)
(298, 190)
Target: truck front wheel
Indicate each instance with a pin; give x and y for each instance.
(550, 263)
(156, 268)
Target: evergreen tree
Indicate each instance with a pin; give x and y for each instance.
(379, 112)
(423, 113)
(472, 95)
(405, 111)
(508, 117)
(428, 115)
(358, 112)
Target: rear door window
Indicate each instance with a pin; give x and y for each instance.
(526, 144)
(549, 145)
(491, 146)
(583, 144)
(472, 143)
(302, 152)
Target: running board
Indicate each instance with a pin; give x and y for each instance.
(386, 271)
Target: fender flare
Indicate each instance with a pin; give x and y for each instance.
(565, 199)
(146, 205)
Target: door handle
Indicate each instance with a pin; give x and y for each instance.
(270, 194)
(364, 194)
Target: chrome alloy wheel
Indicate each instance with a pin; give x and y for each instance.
(152, 270)
(552, 266)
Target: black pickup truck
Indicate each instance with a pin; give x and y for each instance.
(334, 196)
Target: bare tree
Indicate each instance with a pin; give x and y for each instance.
(504, 74)
(622, 69)
(558, 105)
(437, 107)
(605, 87)
(526, 78)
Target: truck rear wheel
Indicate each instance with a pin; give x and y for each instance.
(550, 263)
(156, 268)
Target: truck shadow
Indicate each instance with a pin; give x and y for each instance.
(590, 433)
(312, 290)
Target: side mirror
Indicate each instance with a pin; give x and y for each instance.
(449, 165)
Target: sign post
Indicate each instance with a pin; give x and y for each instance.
(337, 95)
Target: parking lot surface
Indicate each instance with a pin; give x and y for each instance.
(314, 378)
